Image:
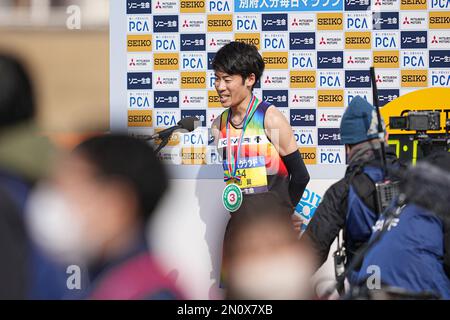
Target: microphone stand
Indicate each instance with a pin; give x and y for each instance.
(163, 143)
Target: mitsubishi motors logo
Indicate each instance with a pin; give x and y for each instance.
(295, 98)
(185, 24)
(378, 80)
(406, 21)
(294, 23)
(267, 80)
(158, 81)
(434, 40)
(378, 3)
(186, 99)
(350, 60)
(158, 5)
(323, 118)
(213, 42)
(132, 63)
(322, 41)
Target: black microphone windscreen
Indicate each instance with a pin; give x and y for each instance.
(188, 123)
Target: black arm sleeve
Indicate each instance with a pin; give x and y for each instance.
(299, 176)
(328, 220)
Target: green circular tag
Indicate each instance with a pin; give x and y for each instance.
(232, 197)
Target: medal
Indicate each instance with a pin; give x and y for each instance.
(232, 197)
(232, 194)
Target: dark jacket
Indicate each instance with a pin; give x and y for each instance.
(344, 206)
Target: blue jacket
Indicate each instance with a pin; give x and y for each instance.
(410, 254)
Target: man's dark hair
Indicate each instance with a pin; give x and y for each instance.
(16, 92)
(239, 58)
(131, 160)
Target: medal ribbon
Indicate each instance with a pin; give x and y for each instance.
(233, 160)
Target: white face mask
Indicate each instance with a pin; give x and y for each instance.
(56, 228)
(278, 276)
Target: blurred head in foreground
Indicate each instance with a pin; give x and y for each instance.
(265, 259)
(98, 200)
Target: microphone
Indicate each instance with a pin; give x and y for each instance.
(188, 123)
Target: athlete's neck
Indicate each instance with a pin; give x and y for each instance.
(238, 111)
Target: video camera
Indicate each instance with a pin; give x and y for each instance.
(417, 120)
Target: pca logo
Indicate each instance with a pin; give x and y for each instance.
(331, 79)
(439, 4)
(305, 136)
(275, 22)
(302, 60)
(302, 41)
(358, 21)
(440, 78)
(414, 59)
(193, 61)
(198, 137)
(247, 22)
(138, 7)
(303, 117)
(138, 100)
(167, 43)
(219, 6)
(308, 206)
(364, 93)
(331, 155)
(386, 40)
(275, 41)
(279, 98)
(167, 118)
(357, 79)
(139, 24)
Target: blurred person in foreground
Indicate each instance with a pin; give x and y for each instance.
(413, 254)
(265, 260)
(95, 211)
(25, 157)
